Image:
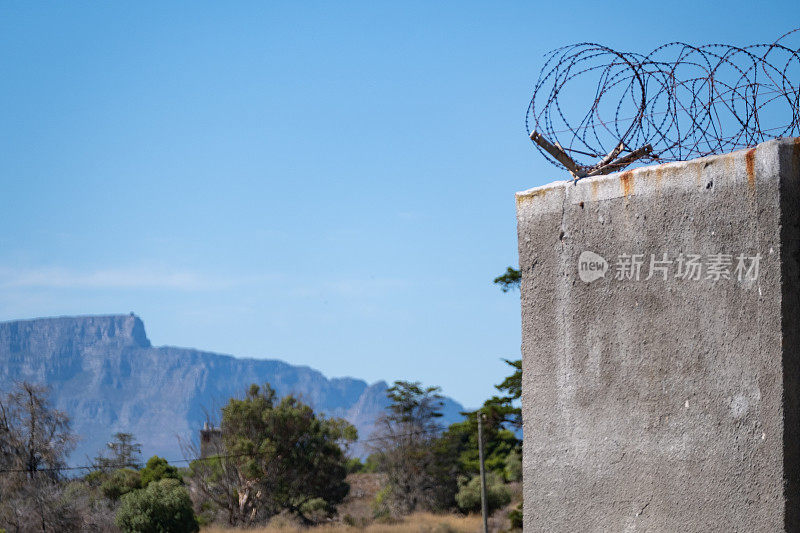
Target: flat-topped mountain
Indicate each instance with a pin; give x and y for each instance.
(103, 371)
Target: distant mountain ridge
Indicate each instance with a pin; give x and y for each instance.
(105, 374)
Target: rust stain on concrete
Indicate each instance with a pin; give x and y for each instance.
(528, 196)
(595, 187)
(750, 162)
(626, 182)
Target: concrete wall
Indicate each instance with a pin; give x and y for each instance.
(660, 399)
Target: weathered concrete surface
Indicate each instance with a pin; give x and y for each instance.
(664, 404)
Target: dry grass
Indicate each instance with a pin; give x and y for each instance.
(417, 523)
(358, 510)
(358, 504)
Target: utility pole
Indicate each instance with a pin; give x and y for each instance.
(484, 503)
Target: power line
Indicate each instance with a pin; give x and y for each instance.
(211, 458)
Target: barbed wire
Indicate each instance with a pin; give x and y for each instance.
(675, 103)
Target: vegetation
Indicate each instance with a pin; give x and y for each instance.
(158, 469)
(469, 493)
(35, 440)
(162, 507)
(421, 475)
(120, 482)
(122, 452)
(431, 469)
(279, 464)
(35, 495)
(510, 279)
(506, 405)
(280, 456)
(422, 522)
(499, 443)
(515, 517)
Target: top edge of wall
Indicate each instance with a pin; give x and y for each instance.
(628, 177)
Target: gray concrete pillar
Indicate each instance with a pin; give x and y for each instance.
(661, 347)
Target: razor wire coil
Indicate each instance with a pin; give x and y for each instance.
(675, 103)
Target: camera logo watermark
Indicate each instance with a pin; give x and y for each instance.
(691, 267)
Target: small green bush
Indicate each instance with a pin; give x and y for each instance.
(317, 510)
(354, 465)
(515, 517)
(206, 513)
(380, 505)
(373, 463)
(158, 469)
(468, 497)
(513, 469)
(95, 478)
(163, 507)
(120, 482)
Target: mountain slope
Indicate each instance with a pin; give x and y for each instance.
(106, 375)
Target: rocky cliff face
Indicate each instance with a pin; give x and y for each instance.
(103, 371)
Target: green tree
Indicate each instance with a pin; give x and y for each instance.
(510, 279)
(157, 469)
(469, 494)
(122, 452)
(515, 517)
(507, 403)
(163, 507)
(373, 463)
(354, 466)
(513, 469)
(499, 443)
(120, 482)
(279, 456)
(420, 468)
(506, 406)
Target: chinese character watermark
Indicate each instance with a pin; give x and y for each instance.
(628, 266)
(717, 267)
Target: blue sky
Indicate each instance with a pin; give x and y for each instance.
(331, 184)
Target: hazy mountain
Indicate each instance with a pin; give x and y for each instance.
(105, 374)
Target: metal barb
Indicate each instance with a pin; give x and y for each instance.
(558, 153)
